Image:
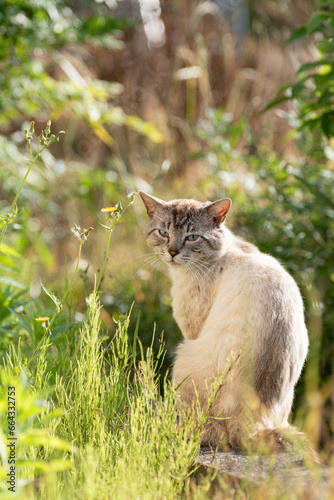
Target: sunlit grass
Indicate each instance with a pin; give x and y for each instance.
(107, 431)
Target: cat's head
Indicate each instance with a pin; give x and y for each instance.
(185, 232)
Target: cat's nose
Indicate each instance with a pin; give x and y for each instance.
(173, 251)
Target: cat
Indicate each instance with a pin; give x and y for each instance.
(239, 311)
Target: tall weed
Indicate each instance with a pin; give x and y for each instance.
(116, 416)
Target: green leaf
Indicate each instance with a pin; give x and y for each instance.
(21, 320)
(52, 297)
(7, 250)
(327, 123)
(10, 281)
(179, 385)
(36, 437)
(42, 466)
(7, 262)
(145, 128)
(326, 46)
(275, 102)
(326, 98)
(325, 3)
(6, 332)
(315, 22)
(62, 328)
(299, 33)
(135, 337)
(297, 89)
(311, 123)
(314, 64)
(131, 198)
(99, 25)
(103, 225)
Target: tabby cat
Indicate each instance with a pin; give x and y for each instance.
(230, 301)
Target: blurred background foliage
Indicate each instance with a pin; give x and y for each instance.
(176, 109)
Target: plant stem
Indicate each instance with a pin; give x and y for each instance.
(105, 258)
(48, 330)
(12, 208)
(69, 286)
(111, 227)
(73, 357)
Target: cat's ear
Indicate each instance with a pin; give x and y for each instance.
(218, 210)
(151, 203)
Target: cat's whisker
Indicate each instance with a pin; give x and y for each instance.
(211, 269)
(154, 261)
(205, 271)
(144, 256)
(148, 262)
(200, 270)
(156, 267)
(206, 266)
(143, 266)
(148, 256)
(193, 272)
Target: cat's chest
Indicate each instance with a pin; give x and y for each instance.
(192, 301)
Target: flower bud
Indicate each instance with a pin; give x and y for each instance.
(48, 127)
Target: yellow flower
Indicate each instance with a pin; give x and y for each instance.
(109, 209)
(43, 320)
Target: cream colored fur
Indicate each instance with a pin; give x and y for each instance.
(236, 304)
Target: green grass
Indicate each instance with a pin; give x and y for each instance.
(95, 418)
(104, 430)
(121, 437)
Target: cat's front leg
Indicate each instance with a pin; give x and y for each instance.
(210, 387)
(189, 314)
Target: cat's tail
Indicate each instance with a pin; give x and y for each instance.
(286, 439)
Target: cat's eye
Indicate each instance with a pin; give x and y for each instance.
(163, 233)
(192, 237)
